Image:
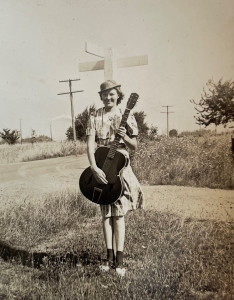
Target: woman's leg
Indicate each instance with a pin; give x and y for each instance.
(119, 232)
(108, 233)
(114, 232)
(114, 235)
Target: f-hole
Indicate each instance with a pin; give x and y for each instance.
(96, 194)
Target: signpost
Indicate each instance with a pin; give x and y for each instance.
(110, 62)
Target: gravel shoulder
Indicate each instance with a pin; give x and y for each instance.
(191, 202)
(33, 180)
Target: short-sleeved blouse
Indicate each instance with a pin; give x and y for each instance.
(104, 125)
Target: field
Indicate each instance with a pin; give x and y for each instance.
(167, 256)
(27, 151)
(202, 161)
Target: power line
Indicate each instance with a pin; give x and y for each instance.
(71, 99)
(167, 112)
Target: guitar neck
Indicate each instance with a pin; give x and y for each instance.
(117, 138)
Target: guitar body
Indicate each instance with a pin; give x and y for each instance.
(104, 193)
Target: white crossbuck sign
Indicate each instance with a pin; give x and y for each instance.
(110, 63)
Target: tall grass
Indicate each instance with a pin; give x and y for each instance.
(202, 161)
(191, 160)
(37, 151)
(166, 257)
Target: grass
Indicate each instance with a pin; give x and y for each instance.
(27, 151)
(200, 161)
(167, 257)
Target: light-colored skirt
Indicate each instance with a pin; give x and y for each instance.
(132, 197)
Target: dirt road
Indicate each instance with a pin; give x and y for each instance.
(34, 179)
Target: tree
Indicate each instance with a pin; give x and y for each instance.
(216, 104)
(10, 136)
(173, 133)
(81, 122)
(142, 125)
(153, 132)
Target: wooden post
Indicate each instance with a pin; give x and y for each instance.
(167, 112)
(110, 64)
(51, 133)
(20, 132)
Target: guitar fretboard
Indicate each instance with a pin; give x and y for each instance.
(115, 143)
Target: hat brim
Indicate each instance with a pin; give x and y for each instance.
(109, 88)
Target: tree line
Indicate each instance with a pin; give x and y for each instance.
(216, 106)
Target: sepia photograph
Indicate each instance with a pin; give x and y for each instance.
(116, 149)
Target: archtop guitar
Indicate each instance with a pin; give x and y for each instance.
(112, 162)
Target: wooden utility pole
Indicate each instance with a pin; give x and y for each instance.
(51, 133)
(71, 98)
(20, 132)
(167, 112)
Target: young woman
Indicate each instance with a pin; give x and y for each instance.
(102, 127)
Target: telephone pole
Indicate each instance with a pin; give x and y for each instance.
(51, 133)
(20, 132)
(71, 99)
(167, 112)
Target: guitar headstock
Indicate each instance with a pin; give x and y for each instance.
(132, 100)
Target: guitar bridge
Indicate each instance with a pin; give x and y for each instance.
(96, 194)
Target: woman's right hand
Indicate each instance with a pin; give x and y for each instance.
(99, 175)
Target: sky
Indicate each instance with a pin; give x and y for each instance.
(42, 42)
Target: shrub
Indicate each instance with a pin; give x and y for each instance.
(9, 136)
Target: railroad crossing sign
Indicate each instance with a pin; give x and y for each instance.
(110, 63)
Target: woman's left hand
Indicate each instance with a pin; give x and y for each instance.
(131, 143)
(122, 132)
